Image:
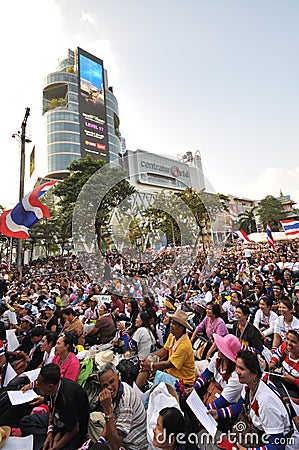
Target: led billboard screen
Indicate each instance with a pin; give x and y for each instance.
(92, 107)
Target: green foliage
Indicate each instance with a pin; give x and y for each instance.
(68, 190)
(55, 103)
(247, 221)
(204, 206)
(270, 210)
(183, 215)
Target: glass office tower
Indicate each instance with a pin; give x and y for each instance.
(63, 120)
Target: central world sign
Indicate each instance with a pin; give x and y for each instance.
(173, 170)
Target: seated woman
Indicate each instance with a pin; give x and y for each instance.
(65, 356)
(142, 341)
(51, 321)
(132, 310)
(211, 324)
(286, 321)
(287, 357)
(169, 427)
(220, 373)
(268, 287)
(252, 301)
(248, 335)
(265, 410)
(228, 308)
(264, 320)
(146, 306)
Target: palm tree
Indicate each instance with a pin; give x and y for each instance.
(247, 221)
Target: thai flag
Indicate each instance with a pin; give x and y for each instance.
(240, 234)
(16, 222)
(269, 236)
(291, 227)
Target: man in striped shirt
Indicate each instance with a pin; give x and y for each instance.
(124, 413)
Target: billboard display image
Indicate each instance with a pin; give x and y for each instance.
(92, 108)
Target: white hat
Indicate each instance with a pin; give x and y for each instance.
(105, 357)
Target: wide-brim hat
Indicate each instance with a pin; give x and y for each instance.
(7, 434)
(228, 345)
(104, 357)
(180, 317)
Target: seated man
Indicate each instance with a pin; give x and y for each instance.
(65, 426)
(176, 357)
(104, 328)
(123, 411)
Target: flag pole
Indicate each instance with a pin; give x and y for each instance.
(21, 190)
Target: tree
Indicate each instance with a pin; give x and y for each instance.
(69, 189)
(270, 210)
(205, 208)
(247, 221)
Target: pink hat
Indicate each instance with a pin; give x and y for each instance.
(228, 345)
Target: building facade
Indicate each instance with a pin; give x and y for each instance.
(153, 173)
(62, 94)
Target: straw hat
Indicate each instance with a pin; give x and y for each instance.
(105, 357)
(228, 345)
(7, 431)
(181, 317)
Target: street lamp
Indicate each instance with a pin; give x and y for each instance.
(22, 136)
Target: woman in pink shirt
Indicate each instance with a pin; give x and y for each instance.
(65, 357)
(212, 323)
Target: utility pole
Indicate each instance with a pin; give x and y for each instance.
(22, 178)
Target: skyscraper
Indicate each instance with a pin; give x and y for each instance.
(80, 113)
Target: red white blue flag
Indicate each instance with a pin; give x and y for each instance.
(291, 227)
(17, 221)
(240, 234)
(269, 236)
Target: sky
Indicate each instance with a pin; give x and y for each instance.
(219, 76)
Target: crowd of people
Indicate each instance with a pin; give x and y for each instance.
(228, 330)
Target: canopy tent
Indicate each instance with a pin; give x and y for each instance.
(277, 236)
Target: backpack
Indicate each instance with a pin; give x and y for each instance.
(129, 369)
(86, 369)
(92, 388)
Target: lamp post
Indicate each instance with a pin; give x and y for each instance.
(24, 140)
(202, 225)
